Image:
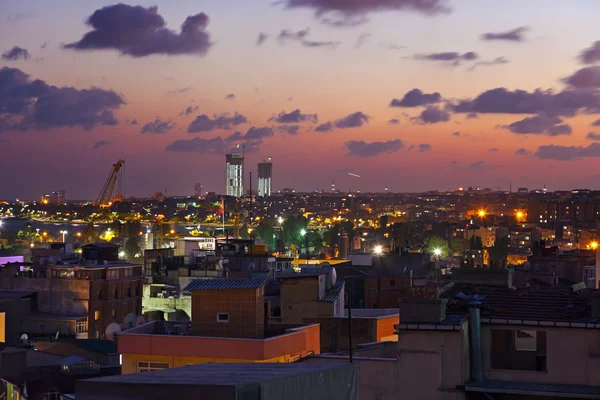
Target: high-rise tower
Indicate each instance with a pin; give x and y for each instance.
(265, 175)
(234, 175)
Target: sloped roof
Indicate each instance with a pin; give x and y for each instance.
(224, 284)
(71, 360)
(333, 293)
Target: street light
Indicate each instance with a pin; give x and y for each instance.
(63, 233)
(437, 252)
(594, 245)
(304, 235)
(378, 250)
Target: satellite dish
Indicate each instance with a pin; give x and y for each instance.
(111, 329)
(140, 320)
(130, 320)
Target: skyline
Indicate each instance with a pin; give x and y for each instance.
(391, 97)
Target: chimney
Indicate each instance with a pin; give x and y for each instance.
(423, 310)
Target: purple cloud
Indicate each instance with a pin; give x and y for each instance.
(189, 110)
(432, 115)
(493, 150)
(286, 34)
(540, 125)
(26, 104)
(424, 147)
(591, 55)
(289, 129)
(158, 126)
(515, 35)
(138, 32)
(358, 7)
(596, 122)
(568, 153)
(361, 40)
(585, 78)
(447, 56)
(316, 43)
(523, 152)
(593, 136)
(472, 116)
(394, 121)
(363, 149)
(456, 134)
(100, 143)
(255, 133)
(198, 145)
(495, 61)
(326, 127)
(355, 120)
(134, 122)
(204, 123)
(262, 37)
(230, 96)
(294, 117)
(416, 98)
(503, 101)
(16, 53)
(482, 166)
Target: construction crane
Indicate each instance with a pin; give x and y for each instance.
(105, 197)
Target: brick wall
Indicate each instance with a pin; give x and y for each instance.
(244, 306)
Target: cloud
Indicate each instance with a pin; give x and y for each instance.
(100, 143)
(585, 78)
(294, 117)
(204, 123)
(361, 40)
(157, 126)
(328, 43)
(138, 32)
(363, 149)
(345, 21)
(423, 148)
(591, 55)
(252, 139)
(230, 96)
(495, 61)
(448, 56)
(361, 7)
(503, 101)
(181, 90)
(593, 136)
(27, 104)
(515, 35)
(596, 122)
(540, 125)
(198, 145)
(286, 34)
(326, 127)
(394, 121)
(472, 116)
(289, 129)
(189, 110)
(493, 150)
(16, 53)
(258, 133)
(416, 98)
(567, 153)
(432, 115)
(355, 120)
(523, 152)
(456, 134)
(262, 37)
(134, 122)
(482, 166)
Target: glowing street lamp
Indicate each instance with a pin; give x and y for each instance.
(594, 245)
(437, 252)
(64, 233)
(481, 213)
(304, 235)
(378, 250)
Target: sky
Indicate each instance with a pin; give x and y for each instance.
(413, 94)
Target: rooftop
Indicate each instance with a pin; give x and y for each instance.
(54, 317)
(15, 294)
(226, 374)
(333, 293)
(224, 284)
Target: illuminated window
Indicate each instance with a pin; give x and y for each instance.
(145, 366)
(96, 315)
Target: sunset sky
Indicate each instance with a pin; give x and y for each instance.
(505, 91)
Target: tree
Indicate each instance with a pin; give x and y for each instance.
(499, 252)
(132, 247)
(436, 244)
(292, 230)
(265, 231)
(456, 245)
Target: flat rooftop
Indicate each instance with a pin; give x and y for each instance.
(220, 374)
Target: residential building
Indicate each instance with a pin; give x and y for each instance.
(234, 175)
(265, 176)
(229, 324)
(297, 381)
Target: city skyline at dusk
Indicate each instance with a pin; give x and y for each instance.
(414, 95)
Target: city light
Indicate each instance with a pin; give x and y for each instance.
(280, 220)
(121, 254)
(437, 252)
(378, 250)
(303, 232)
(594, 245)
(481, 213)
(520, 214)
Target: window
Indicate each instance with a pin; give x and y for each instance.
(591, 274)
(41, 328)
(114, 313)
(392, 282)
(96, 315)
(99, 295)
(128, 292)
(116, 294)
(521, 350)
(222, 317)
(137, 291)
(145, 366)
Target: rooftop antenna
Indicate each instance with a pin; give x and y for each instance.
(333, 185)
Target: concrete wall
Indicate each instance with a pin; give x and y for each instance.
(14, 310)
(183, 303)
(299, 299)
(572, 357)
